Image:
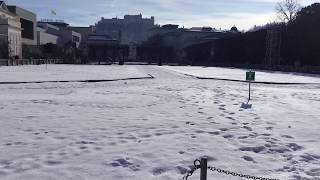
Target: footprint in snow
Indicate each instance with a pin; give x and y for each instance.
(228, 136)
(269, 128)
(224, 129)
(287, 136)
(190, 123)
(215, 133)
(314, 172)
(160, 170)
(248, 158)
(247, 128)
(256, 149)
(181, 170)
(307, 157)
(126, 163)
(231, 118)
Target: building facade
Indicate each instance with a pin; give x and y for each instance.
(28, 22)
(70, 36)
(43, 37)
(10, 32)
(85, 32)
(104, 49)
(179, 38)
(63, 31)
(132, 29)
(172, 44)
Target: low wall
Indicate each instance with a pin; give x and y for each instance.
(284, 68)
(16, 62)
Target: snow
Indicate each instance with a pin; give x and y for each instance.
(66, 73)
(155, 128)
(240, 74)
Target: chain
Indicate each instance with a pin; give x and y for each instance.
(237, 174)
(196, 165)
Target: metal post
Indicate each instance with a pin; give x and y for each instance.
(249, 90)
(204, 167)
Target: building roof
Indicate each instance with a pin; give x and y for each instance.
(81, 27)
(4, 8)
(54, 22)
(19, 10)
(100, 38)
(47, 25)
(40, 29)
(170, 26)
(3, 5)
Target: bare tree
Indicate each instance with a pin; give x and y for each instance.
(287, 10)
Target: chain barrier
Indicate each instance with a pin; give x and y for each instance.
(221, 171)
(196, 165)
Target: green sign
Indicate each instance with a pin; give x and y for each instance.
(251, 76)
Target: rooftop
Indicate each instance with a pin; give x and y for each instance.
(14, 9)
(55, 22)
(3, 5)
(100, 38)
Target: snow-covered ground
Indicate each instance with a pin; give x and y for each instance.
(155, 128)
(66, 73)
(240, 74)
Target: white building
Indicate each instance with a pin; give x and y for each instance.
(62, 30)
(10, 31)
(132, 29)
(28, 22)
(43, 37)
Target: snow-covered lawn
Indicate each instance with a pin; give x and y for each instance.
(67, 73)
(153, 129)
(240, 74)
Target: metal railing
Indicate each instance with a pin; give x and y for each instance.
(16, 62)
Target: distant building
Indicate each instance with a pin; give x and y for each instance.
(43, 37)
(133, 29)
(191, 36)
(51, 29)
(101, 40)
(165, 29)
(85, 33)
(62, 30)
(10, 31)
(181, 38)
(102, 48)
(69, 36)
(28, 22)
(170, 26)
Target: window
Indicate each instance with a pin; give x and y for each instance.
(27, 29)
(75, 39)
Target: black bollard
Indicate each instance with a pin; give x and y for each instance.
(204, 167)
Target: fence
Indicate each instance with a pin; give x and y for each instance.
(16, 62)
(203, 166)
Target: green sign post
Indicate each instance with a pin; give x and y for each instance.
(250, 76)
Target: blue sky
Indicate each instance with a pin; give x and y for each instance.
(189, 13)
